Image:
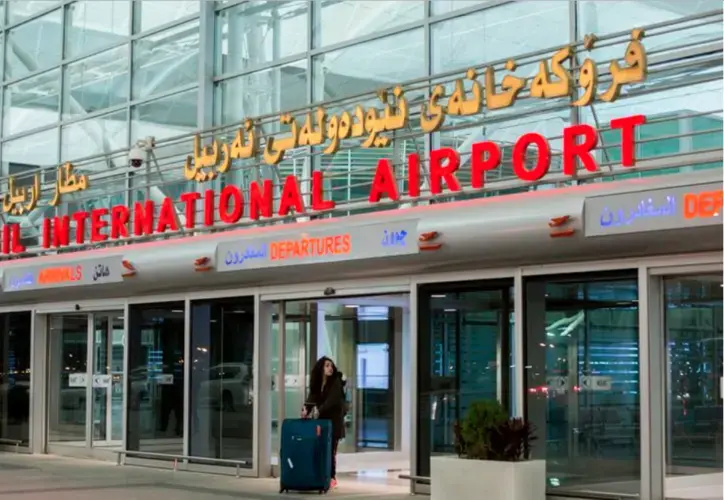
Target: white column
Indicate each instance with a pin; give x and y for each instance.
(38, 382)
(405, 375)
(262, 387)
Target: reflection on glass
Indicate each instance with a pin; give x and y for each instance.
(95, 136)
(444, 6)
(15, 376)
(463, 357)
(68, 378)
(693, 322)
(95, 83)
(156, 377)
(89, 28)
(34, 45)
(583, 379)
(31, 103)
(17, 11)
(255, 33)
(167, 60)
(167, 117)
(222, 383)
(349, 19)
(261, 93)
(100, 391)
(149, 14)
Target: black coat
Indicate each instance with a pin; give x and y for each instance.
(331, 404)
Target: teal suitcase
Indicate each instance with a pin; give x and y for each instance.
(305, 457)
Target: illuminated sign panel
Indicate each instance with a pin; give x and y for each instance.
(316, 247)
(98, 271)
(656, 210)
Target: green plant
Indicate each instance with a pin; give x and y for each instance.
(510, 440)
(477, 427)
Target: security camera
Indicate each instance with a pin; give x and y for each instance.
(77, 307)
(136, 156)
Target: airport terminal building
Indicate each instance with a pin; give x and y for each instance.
(455, 200)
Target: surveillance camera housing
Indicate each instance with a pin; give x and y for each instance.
(329, 291)
(77, 307)
(136, 157)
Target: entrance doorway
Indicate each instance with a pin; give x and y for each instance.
(86, 379)
(365, 337)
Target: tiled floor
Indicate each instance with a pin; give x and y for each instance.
(36, 477)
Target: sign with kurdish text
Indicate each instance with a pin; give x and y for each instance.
(102, 270)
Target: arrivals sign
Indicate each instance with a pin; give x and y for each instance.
(98, 271)
(375, 128)
(317, 247)
(655, 210)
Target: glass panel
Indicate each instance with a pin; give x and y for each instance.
(357, 69)
(166, 60)
(444, 6)
(464, 357)
(149, 14)
(90, 27)
(693, 322)
(163, 118)
(156, 377)
(117, 377)
(261, 93)
(96, 83)
(255, 33)
(15, 376)
(17, 11)
(349, 19)
(97, 136)
(32, 103)
(222, 381)
(68, 378)
(583, 381)
(99, 380)
(34, 45)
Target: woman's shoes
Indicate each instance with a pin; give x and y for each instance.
(333, 484)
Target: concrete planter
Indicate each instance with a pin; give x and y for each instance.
(462, 479)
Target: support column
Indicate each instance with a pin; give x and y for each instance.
(38, 382)
(262, 387)
(406, 374)
(205, 108)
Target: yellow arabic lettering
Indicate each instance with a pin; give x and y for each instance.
(458, 104)
(13, 196)
(338, 128)
(245, 142)
(374, 125)
(398, 118)
(543, 87)
(636, 70)
(587, 80)
(309, 135)
(206, 157)
(275, 148)
(20, 200)
(358, 127)
(34, 195)
(67, 182)
(511, 86)
(432, 114)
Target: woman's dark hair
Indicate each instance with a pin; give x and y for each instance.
(317, 375)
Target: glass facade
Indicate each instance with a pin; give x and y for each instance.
(15, 377)
(82, 81)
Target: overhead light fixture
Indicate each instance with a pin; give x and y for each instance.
(450, 310)
(349, 306)
(438, 296)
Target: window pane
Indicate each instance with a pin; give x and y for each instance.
(96, 83)
(15, 376)
(444, 6)
(31, 103)
(149, 14)
(259, 32)
(163, 118)
(90, 25)
(222, 379)
(156, 377)
(261, 93)
(30, 152)
(17, 11)
(357, 69)
(582, 384)
(34, 45)
(495, 34)
(350, 19)
(694, 348)
(96, 136)
(166, 60)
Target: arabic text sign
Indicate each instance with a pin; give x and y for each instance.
(656, 210)
(316, 247)
(87, 272)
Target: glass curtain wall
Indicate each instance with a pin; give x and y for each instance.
(155, 381)
(582, 379)
(15, 377)
(222, 395)
(695, 349)
(464, 355)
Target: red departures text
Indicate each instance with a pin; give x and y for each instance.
(531, 159)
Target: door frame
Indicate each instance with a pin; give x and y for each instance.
(109, 315)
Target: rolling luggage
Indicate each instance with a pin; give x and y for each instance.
(305, 458)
